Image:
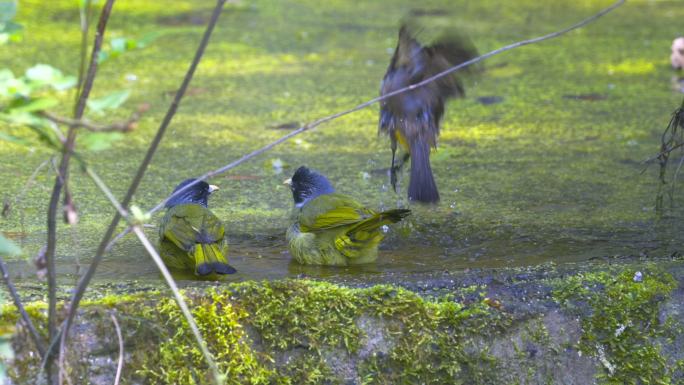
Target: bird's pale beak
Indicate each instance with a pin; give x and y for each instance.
(288, 181)
(212, 188)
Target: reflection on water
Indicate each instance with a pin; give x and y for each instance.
(268, 258)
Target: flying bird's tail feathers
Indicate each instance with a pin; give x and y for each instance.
(422, 187)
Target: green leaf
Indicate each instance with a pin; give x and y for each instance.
(64, 83)
(5, 75)
(32, 105)
(109, 102)
(10, 32)
(149, 38)
(44, 75)
(8, 247)
(102, 56)
(37, 124)
(13, 87)
(98, 141)
(121, 45)
(10, 27)
(23, 118)
(13, 139)
(8, 9)
(118, 44)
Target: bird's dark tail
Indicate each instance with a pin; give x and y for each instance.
(378, 220)
(395, 215)
(209, 259)
(422, 187)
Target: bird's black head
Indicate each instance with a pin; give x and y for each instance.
(197, 193)
(307, 184)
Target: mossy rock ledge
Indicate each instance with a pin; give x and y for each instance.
(616, 323)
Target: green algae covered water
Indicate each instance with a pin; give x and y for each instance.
(541, 162)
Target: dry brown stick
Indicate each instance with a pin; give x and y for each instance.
(119, 367)
(318, 122)
(124, 126)
(87, 277)
(59, 182)
(37, 340)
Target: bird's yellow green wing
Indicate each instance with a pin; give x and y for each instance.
(186, 225)
(330, 211)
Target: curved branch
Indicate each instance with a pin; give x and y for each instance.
(37, 340)
(60, 181)
(125, 126)
(119, 367)
(104, 243)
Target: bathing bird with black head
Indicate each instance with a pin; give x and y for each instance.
(333, 228)
(191, 237)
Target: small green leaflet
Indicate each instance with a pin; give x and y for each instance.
(109, 102)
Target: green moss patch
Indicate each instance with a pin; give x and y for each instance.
(305, 332)
(610, 327)
(622, 325)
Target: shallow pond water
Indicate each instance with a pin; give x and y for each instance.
(542, 161)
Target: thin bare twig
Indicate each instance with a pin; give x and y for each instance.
(37, 340)
(119, 367)
(58, 133)
(671, 139)
(181, 302)
(85, 15)
(137, 229)
(165, 272)
(19, 198)
(50, 348)
(318, 122)
(122, 234)
(661, 153)
(59, 182)
(60, 360)
(675, 176)
(108, 193)
(105, 242)
(27, 185)
(124, 126)
(62, 366)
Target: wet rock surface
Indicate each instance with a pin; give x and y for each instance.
(524, 325)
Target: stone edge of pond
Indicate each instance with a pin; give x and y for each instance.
(617, 322)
